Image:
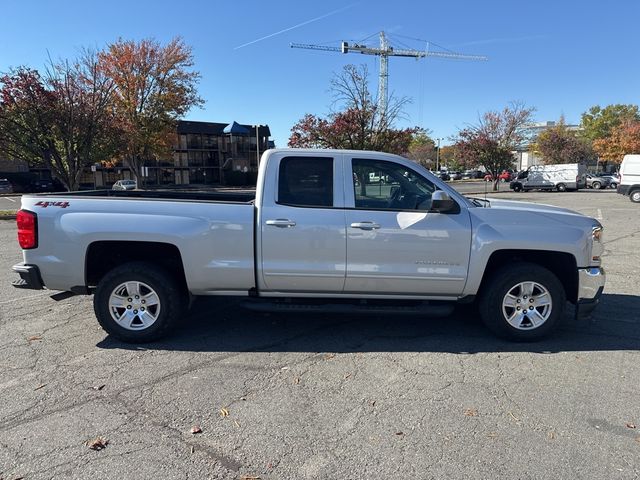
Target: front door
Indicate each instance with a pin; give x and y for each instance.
(395, 245)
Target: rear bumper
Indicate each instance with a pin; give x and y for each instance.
(29, 277)
(590, 286)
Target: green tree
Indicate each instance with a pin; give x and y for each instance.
(558, 144)
(357, 124)
(599, 122)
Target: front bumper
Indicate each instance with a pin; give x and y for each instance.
(590, 286)
(623, 189)
(29, 277)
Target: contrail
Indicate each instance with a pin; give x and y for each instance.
(295, 26)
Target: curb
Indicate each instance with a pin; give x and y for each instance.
(7, 217)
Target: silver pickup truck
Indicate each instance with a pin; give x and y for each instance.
(330, 230)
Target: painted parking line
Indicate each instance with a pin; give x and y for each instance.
(599, 217)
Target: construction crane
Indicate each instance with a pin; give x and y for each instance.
(384, 52)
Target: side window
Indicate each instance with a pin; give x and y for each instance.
(306, 181)
(383, 185)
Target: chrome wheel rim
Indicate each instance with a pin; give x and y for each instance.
(134, 305)
(527, 306)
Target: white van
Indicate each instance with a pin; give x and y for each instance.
(630, 177)
(560, 177)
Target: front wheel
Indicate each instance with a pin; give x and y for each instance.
(138, 302)
(596, 185)
(561, 187)
(634, 196)
(522, 302)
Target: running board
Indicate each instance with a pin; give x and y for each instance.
(425, 309)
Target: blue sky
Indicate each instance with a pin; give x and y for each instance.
(559, 56)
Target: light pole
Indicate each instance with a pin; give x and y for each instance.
(438, 155)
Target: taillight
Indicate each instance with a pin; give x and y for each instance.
(27, 229)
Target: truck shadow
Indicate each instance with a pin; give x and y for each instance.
(221, 325)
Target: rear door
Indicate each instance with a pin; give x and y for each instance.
(302, 225)
(395, 245)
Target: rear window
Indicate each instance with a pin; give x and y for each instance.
(306, 181)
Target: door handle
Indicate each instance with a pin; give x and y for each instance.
(365, 225)
(281, 223)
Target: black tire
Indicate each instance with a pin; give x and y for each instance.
(561, 187)
(171, 302)
(517, 187)
(506, 281)
(613, 185)
(596, 185)
(634, 196)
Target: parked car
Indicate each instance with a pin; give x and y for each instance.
(614, 179)
(5, 186)
(125, 185)
(444, 176)
(597, 181)
(473, 174)
(455, 175)
(41, 186)
(505, 176)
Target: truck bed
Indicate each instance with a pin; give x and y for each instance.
(227, 197)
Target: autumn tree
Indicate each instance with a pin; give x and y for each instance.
(492, 140)
(155, 86)
(422, 149)
(622, 140)
(61, 119)
(558, 144)
(597, 122)
(357, 123)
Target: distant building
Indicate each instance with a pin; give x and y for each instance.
(204, 153)
(525, 158)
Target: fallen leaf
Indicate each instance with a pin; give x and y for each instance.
(40, 386)
(631, 425)
(372, 403)
(98, 387)
(399, 433)
(249, 477)
(193, 449)
(329, 356)
(492, 435)
(296, 380)
(471, 412)
(551, 435)
(97, 443)
(196, 429)
(284, 368)
(236, 423)
(224, 412)
(34, 338)
(516, 418)
(346, 375)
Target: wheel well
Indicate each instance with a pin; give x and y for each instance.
(563, 265)
(106, 255)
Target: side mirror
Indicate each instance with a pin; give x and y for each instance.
(441, 202)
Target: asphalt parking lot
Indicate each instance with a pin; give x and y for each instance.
(326, 397)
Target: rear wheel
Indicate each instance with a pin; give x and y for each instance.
(634, 196)
(561, 187)
(517, 187)
(138, 302)
(522, 302)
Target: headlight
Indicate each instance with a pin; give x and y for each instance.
(598, 247)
